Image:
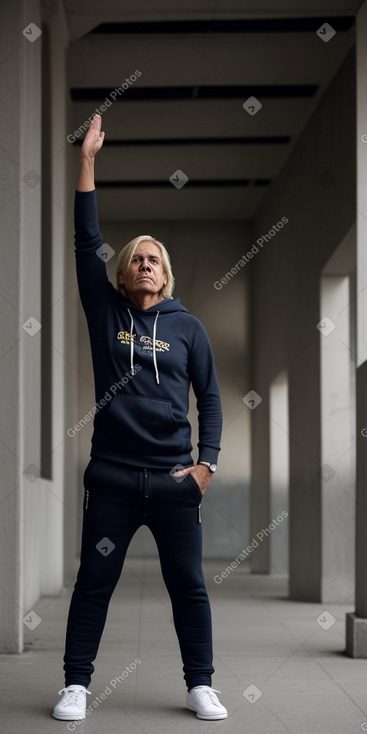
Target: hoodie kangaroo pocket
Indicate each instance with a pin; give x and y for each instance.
(136, 423)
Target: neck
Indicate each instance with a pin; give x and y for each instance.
(143, 300)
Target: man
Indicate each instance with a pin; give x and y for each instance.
(146, 350)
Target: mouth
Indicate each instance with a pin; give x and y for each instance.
(144, 277)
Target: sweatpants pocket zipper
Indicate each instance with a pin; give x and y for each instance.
(199, 512)
(146, 495)
(86, 498)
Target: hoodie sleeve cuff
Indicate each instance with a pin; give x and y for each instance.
(209, 454)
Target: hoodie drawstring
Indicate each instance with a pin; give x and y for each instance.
(132, 368)
(154, 353)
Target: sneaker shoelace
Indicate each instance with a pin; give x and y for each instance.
(207, 691)
(73, 694)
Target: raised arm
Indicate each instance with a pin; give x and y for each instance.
(92, 143)
(90, 265)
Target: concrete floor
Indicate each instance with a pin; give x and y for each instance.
(261, 639)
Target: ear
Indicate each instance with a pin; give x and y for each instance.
(120, 279)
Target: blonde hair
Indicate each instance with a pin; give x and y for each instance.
(127, 254)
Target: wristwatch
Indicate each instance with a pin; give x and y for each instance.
(212, 467)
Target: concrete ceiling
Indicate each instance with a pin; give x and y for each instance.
(185, 112)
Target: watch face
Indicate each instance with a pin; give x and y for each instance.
(213, 467)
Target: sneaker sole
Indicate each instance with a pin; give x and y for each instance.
(68, 717)
(207, 717)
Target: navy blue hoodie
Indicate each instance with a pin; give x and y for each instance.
(143, 363)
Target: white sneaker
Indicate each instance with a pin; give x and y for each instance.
(203, 700)
(72, 705)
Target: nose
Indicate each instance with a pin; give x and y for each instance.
(145, 265)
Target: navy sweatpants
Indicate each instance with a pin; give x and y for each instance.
(117, 500)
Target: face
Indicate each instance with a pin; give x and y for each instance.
(145, 273)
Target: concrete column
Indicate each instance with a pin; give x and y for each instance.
(337, 475)
(356, 624)
(32, 326)
(279, 474)
(64, 484)
(305, 499)
(260, 488)
(20, 306)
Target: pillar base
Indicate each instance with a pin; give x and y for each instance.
(356, 636)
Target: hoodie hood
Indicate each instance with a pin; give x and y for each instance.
(168, 305)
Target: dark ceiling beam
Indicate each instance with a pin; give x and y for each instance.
(210, 183)
(259, 25)
(275, 91)
(260, 140)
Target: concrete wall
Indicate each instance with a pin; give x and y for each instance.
(20, 348)
(73, 510)
(44, 498)
(63, 307)
(11, 344)
(22, 496)
(316, 192)
(201, 253)
(32, 365)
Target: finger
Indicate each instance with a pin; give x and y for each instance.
(96, 122)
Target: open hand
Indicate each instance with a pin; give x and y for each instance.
(94, 138)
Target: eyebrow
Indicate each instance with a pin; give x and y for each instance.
(138, 254)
